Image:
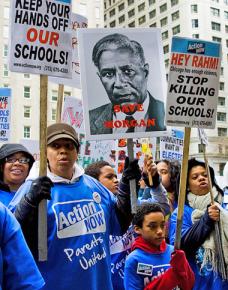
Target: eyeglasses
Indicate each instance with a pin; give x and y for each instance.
(22, 160)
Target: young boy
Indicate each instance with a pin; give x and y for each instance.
(153, 264)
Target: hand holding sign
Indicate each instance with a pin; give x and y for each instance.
(146, 150)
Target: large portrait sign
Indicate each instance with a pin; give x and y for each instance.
(123, 82)
(41, 37)
(193, 83)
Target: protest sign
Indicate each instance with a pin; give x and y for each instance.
(72, 113)
(193, 83)
(123, 93)
(78, 21)
(171, 146)
(5, 114)
(41, 37)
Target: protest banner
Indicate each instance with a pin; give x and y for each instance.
(193, 83)
(78, 21)
(5, 114)
(42, 42)
(191, 98)
(171, 146)
(123, 94)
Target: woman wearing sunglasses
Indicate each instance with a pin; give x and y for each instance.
(15, 164)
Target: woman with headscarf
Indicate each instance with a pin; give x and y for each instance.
(15, 164)
(198, 229)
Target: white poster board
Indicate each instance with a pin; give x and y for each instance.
(171, 146)
(193, 83)
(5, 114)
(78, 21)
(123, 82)
(41, 37)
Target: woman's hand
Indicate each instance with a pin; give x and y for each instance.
(214, 212)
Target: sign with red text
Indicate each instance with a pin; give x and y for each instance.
(78, 21)
(72, 113)
(193, 83)
(123, 82)
(41, 37)
(5, 114)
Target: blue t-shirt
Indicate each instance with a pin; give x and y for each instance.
(81, 217)
(142, 267)
(6, 197)
(18, 270)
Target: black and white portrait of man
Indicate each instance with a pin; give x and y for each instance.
(123, 70)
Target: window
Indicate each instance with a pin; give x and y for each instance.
(194, 8)
(6, 31)
(221, 86)
(54, 95)
(67, 94)
(121, 7)
(112, 24)
(26, 76)
(6, 12)
(141, 7)
(166, 48)
(53, 114)
(176, 29)
(27, 132)
(27, 112)
(174, 2)
(132, 24)
(226, 28)
(163, 8)
(221, 168)
(105, 17)
(226, 42)
(222, 131)
(122, 19)
(130, 2)
(221, 116)
(195, 23)
(165, 35)
(166, 63)
(131, 13)
(217, 39)
(142, 19)
(195, 35)
(215, 26)
(221, 71)
(200, 148)
(5, 85)
(175, 15)
(164, 21)
(150, 2)
(82, 9)
(97, 12)
(112, 12)
(153, 24)
(226, 14)
(5, 70)
(5, 50)
(152, 13)
(215, 12)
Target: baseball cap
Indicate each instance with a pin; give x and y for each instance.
(62, 130)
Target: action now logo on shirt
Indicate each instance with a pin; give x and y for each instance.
(78, 217)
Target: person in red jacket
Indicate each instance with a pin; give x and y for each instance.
(154, 264)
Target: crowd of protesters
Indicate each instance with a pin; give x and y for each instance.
(94, 241)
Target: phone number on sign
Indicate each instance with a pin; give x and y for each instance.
(55, 69)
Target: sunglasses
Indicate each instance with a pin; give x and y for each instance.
(22, 160)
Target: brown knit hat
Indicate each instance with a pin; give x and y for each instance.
(62, 130)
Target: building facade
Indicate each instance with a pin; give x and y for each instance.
(203, 19)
